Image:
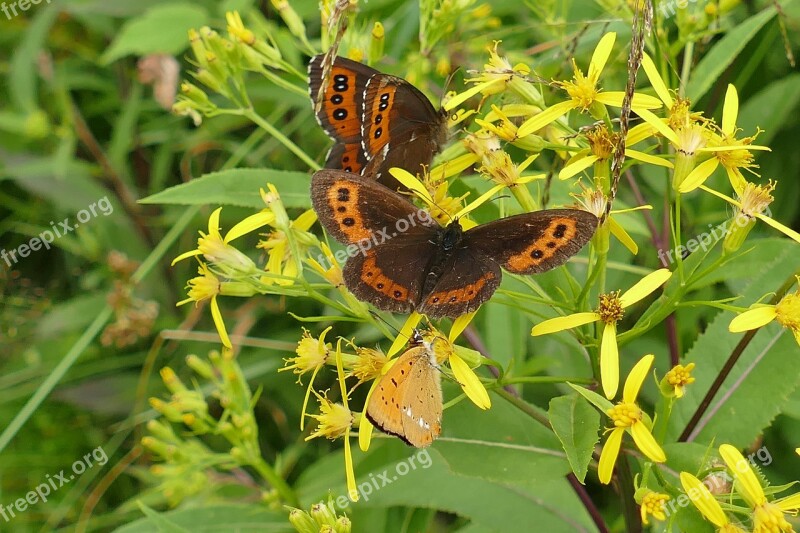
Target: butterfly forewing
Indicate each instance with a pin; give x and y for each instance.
(533, 242)
(408, 399)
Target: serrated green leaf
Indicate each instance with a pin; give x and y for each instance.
(765, 375)
(719, 58)
(576, 424)
(239, 187)
(161, 29)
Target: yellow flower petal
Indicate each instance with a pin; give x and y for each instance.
(600, 55)
(411, 183)
(749, 486)
(620, 233)
(459, 324)
(635, 379)
(469, 382)
(405, 333)
(608, 456)
(544, 118)
(577, 166)
(659, 125)
(780, 227)
(703, 500)
(752, 319)
(789, 504)
(656, 81)
(365, 427)
(647, 158)
(730, 111)
(184, 255)
(453, 167)
(638, 102)
(213, 223)
(609, 361)
(647, 443)
(469, 93)
(307, 396)
(563, 322)
(348, 467)
(644, 287)
(251, 223)
(305, 221)
(698, 175)
(217, 316)
(480, 200)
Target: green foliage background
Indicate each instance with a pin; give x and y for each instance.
(77, 126)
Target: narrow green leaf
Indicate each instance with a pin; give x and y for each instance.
(209, 518)
(594, 398)
(576, 424)
(714, 63)
(22, 74)
(161, 29)
(239, 187)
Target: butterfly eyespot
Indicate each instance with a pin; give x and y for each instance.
(348, 221)
(537, 254)
(341, 87)
(368, 274)
(340, 114)
(341, 209)
(378, 133)
(378, 119)
(343, 194)
(453, 298)
(337, 99)
(561, 229)
(435, 299)
(379, 285)
(397, 294)
(551, 244)
(345, 159)
(385, 97)
(340, 78)
(348, 169)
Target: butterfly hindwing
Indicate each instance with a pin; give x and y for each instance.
(408, 399)
(533, 242)
(467, 280)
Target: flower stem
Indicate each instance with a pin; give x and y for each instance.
(277, 482)
(263, 123)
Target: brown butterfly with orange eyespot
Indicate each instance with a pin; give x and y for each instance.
(407, 401)
(421, 266)
(376, 121)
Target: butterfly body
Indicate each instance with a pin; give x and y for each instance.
(407, 401)
(377, 121)
(418, 265)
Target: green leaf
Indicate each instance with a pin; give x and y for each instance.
(23, 75)
(781, 98)
(576, 425)
(719, 58)
(239, 187)
(160, 29)
(765, 375)
(210, 518)
(595, 399)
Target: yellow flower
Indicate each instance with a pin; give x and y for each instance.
(767, 516)
(653, 503)
(786, 313)
(337, 420)
(612, 308)
(507, 130)
(627, 416)
(332, 273)
(676, 379)
(367, 364)
(595, 202)
(701, 498)
(312, 354)
(216, 249)
(752, 203)
(586, 95)
(287, 238)
(204, 287)
(726, 150)
(444, 350)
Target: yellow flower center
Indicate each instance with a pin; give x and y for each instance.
(203, 287)
(602, 142)
(499, 166)
(679, 115)
(368, 364)
(581, 89)
(625, 414)
(653, 503)
(787, 312)
(334, 419)
(756, 198)
(610, 310)
(767, 518)
(593, 201)
(311, 354)
(736, 159)
(680, 375)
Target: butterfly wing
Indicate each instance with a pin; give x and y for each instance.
(401, 128)
(408, 399)
(533, 242)
(340, 109)
(391, 239)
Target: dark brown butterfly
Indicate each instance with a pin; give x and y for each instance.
(376, 121)
(401, 260)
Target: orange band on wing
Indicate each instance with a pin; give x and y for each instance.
(559, 233)
(373, 276)
(460, 295)
(376, 133)
(340, 103)
(343, 200)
